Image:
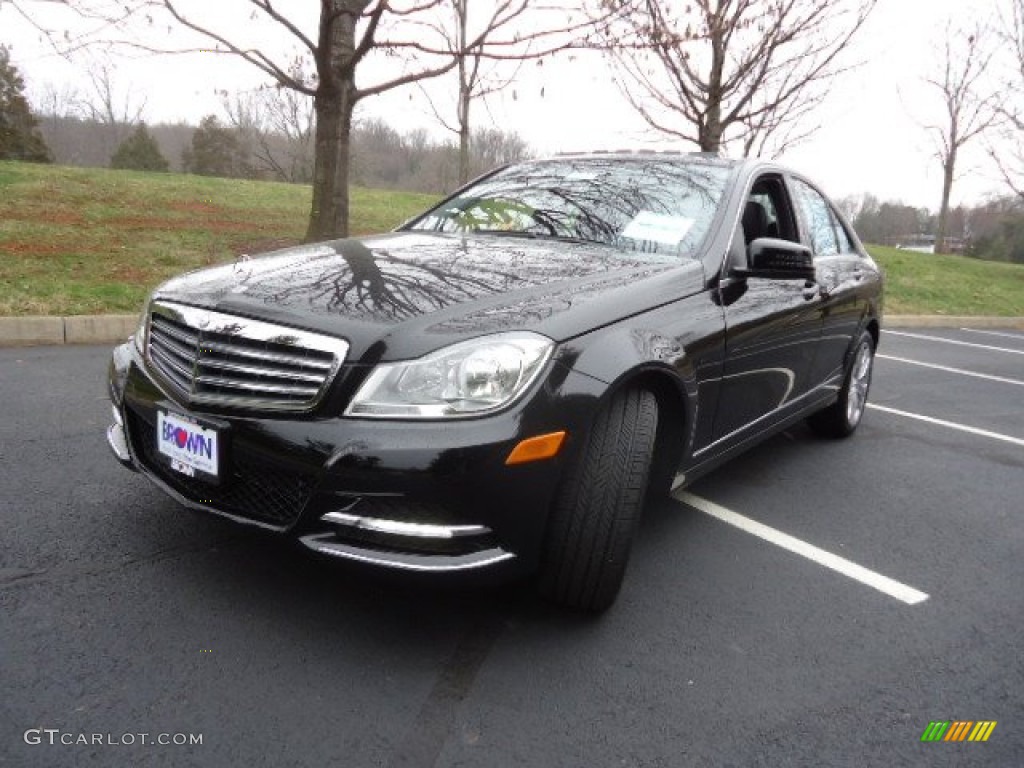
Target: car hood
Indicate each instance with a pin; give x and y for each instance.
(402, 295)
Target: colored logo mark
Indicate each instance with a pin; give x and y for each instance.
(958, 730)
(193, 443)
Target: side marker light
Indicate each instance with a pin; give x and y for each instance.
(536, 448)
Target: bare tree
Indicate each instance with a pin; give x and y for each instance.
(106, 104)
(543, 28)
(493, 147)
(59, 112)
(290, 115)
(278, 125)
(852, 205)
(724, 72)
(471, 84)
(1009, 158)
(63, 100)
(970, 107)
(347, 34)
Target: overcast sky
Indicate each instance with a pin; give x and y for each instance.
(871, 139)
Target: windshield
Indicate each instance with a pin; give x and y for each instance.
(650, 205)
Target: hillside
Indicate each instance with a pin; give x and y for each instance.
(929, 284)
(87, 241)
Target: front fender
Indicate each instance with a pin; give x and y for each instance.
(682, 344)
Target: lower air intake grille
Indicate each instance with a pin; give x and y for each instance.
(218, 359)
(257, 489)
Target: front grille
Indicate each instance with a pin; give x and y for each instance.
(255, 488)
(218, 359)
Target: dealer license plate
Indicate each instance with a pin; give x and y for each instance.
(190, 448)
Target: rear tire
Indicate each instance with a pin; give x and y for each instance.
(842, 418)
(598, 507)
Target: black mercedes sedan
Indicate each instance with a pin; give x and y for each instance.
(496, 386)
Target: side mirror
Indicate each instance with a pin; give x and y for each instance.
(779, 260)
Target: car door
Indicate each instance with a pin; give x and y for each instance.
(772, 325)
(837, 265)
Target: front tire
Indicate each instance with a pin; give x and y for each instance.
(598, 507)
(842, 418)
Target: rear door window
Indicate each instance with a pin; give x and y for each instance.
(818, 219)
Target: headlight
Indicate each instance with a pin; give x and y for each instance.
(142, 331)
(465, 379)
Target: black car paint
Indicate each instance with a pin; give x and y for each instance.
(450, 289)
(709, 343)
(452, 467)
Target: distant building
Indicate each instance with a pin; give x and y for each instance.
(926, 244)
(918, 243)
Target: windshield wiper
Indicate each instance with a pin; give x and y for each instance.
(534, 236)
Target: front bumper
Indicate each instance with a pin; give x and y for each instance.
(118, 440)
(415, 496)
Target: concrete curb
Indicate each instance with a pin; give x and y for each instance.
(75, 329)
(33, 331)
(951, 321)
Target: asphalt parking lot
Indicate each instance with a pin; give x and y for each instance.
(812, 603)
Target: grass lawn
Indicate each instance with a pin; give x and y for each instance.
(927, 284)
(78, 241)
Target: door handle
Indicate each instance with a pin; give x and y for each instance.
(858, 275)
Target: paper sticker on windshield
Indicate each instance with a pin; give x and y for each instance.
(658, 228)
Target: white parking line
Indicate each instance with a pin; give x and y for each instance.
(949, 424)
(1018, 336)
(841, 565)
(947, 369)
(954, 341)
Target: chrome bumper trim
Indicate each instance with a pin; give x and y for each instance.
(326, 543)
(401, 528)
(119, 444)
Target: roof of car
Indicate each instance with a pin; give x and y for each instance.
(711, 158)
